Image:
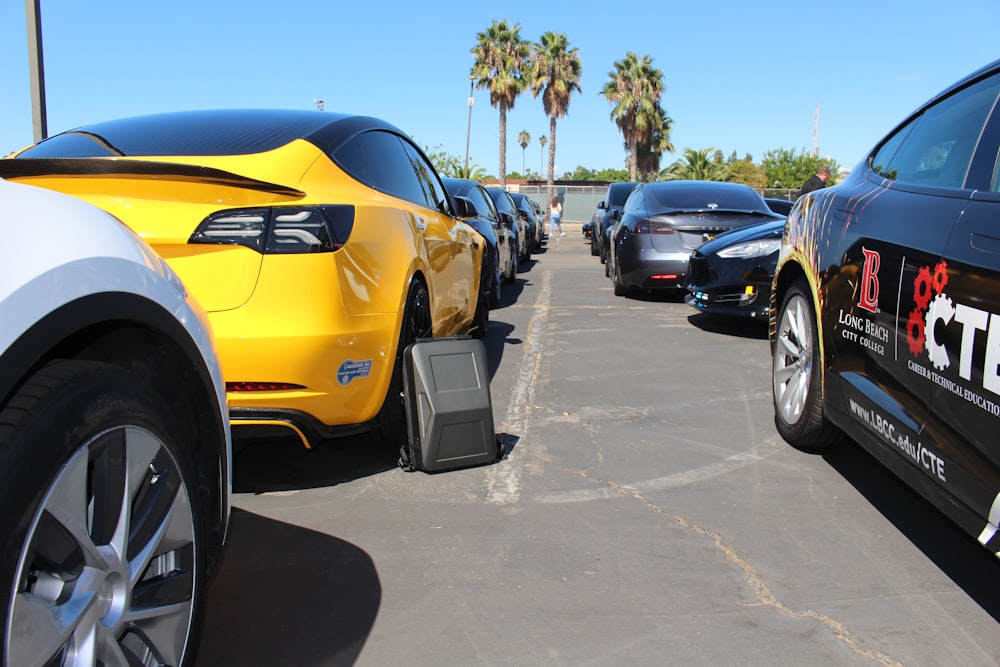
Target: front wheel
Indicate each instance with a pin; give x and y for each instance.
(104, 561)
(797, 385)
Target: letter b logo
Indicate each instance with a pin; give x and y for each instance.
(869, 282)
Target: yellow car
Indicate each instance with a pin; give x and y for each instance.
(320, 245)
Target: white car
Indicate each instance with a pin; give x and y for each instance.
(115, 448)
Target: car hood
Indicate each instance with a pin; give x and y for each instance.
(751, 232)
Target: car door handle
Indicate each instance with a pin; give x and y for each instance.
(844, 215)
(420, 224)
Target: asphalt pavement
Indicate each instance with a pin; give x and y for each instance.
(646, 513)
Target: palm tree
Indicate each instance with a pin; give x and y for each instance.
(524, 139)
(649, 152)
(635, 89)
(555, 74)
(696, 165)
(501, 57)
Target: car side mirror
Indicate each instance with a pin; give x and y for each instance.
(615, 214)
(464, 208)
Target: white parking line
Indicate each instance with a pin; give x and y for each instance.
(503, 482)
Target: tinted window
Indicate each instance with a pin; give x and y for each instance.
(705, 198)
(435, 195)
(936, 147)
(235, 132)
(380, 160)
(484, 205)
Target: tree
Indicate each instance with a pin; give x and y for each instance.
(746, 172)
(501, 58)
(787, 169)
(635, 89)
(555, 74)
(524, 139)
(542, 140)
(696, 165)
(648, 153)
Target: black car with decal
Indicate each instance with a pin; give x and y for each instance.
(885, 301)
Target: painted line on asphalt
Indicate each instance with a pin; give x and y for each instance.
(503, 482)
(726, 465)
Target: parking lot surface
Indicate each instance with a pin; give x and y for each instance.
(646, 513)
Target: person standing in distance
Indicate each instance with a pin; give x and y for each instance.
(817, 181)
(555, 217)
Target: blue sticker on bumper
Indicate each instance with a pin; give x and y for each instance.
(351, 370)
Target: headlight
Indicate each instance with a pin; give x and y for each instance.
(758, 248)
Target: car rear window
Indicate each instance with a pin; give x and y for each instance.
(704, 199)
(241, 132)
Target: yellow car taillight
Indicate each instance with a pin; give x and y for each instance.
(279, 229)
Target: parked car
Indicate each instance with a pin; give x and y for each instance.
(320, 244)
(114, 441)
(531, 222)
(507, 209)
(663, 222)
(500, 260)
(779, 206)
(587, 229)
(608, 212)
(732, 273)
(885, 307)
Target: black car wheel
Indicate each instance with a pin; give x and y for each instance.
(102, 522)
(514, 266)
(796, 382)
(391, 419)
(496, 291)
(620, 289)
(593, 245)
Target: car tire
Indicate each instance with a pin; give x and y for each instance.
(515, 266)
(620, 289)
(796, 382)
(391, 419)
(594, 252)
(496, 291)
(102, 510)
(481, 320)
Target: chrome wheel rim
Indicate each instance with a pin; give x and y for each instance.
(793, 360)
(107, 572)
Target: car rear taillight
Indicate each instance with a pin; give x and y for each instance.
(653, 227)
(279, 229)
(262, 386)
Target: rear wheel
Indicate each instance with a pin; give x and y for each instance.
(391, 418)
(620, 288)
(796, 379)
(105, 560)
(593, 245)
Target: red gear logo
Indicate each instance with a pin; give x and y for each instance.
(940, 280)
(915, 332)
(923, 285)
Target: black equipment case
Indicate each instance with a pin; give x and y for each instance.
(449, 414)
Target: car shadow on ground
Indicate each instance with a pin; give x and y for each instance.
(286, 595)
(730, 326)
(960, 557)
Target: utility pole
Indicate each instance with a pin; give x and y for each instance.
(36, 70)
(816, 132)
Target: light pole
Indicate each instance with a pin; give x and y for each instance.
(468, 131)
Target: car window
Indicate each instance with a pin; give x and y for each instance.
(484, 205)
(380, 160)
(434, 191)
(936, 147)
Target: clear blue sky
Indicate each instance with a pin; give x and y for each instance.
(740, 76)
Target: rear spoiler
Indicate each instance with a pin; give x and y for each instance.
(70, 167)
